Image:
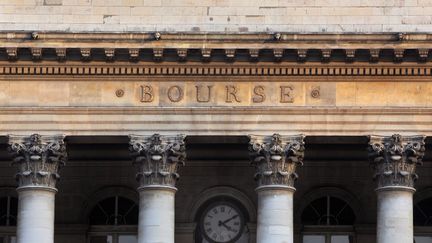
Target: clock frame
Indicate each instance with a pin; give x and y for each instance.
(217, 204)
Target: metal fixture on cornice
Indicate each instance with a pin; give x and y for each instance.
(402, 36)
(157, 36)
(277, 36)
(35, 35)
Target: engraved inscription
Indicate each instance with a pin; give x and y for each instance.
(286, 94)
(231, 92)
(200, 95)
(189, 93)
(175, 93)
(147, 93)
(259, 95)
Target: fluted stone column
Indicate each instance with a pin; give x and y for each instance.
(38, 159)
(157, 158)
(394, 159)
(276, 158)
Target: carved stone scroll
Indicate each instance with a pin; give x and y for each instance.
(276, 158)
(157, 158)
(38, 159)
(395, 158)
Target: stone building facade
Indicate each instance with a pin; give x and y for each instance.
(144, 121)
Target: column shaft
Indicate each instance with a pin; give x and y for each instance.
(395, 159)
(275, 216)
(276, 158)
(36, 215)
(156, 215)
(157, 158)
(395, 216)
(38, 159)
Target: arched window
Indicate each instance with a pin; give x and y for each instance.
(8, 218)
(115, 211)
(328, 219)
(328, 211)
(423, 221)
(114, 220)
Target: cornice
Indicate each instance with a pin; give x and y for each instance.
(206, 47)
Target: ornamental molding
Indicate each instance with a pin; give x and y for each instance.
(276, 158)
(157, 158)
(94, 70)
(267, 47)
(395, 158)
(38, 159)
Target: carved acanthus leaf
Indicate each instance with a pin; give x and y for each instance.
(38, 159)
(276, 158)
(157, 158)
(395, 158)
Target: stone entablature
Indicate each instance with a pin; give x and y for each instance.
(38, 159)
(157, 158)
(215, 47)
(395, 158)
(276, 158)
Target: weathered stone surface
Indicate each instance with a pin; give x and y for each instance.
(38, 159)
(395, 159)
(217, 16)
(157, 159)
(276, 158)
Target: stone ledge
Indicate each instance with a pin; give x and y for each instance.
(207, 47)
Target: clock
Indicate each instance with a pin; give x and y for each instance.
(222, 222)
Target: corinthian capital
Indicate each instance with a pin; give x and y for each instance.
(276, 158)
(394, 159)
(38, 159)
(157, 158)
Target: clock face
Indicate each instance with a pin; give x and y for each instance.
(222, 223)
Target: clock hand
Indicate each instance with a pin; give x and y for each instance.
(233, 217)
(226, 226)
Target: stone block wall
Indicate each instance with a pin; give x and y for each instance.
(244, 16)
